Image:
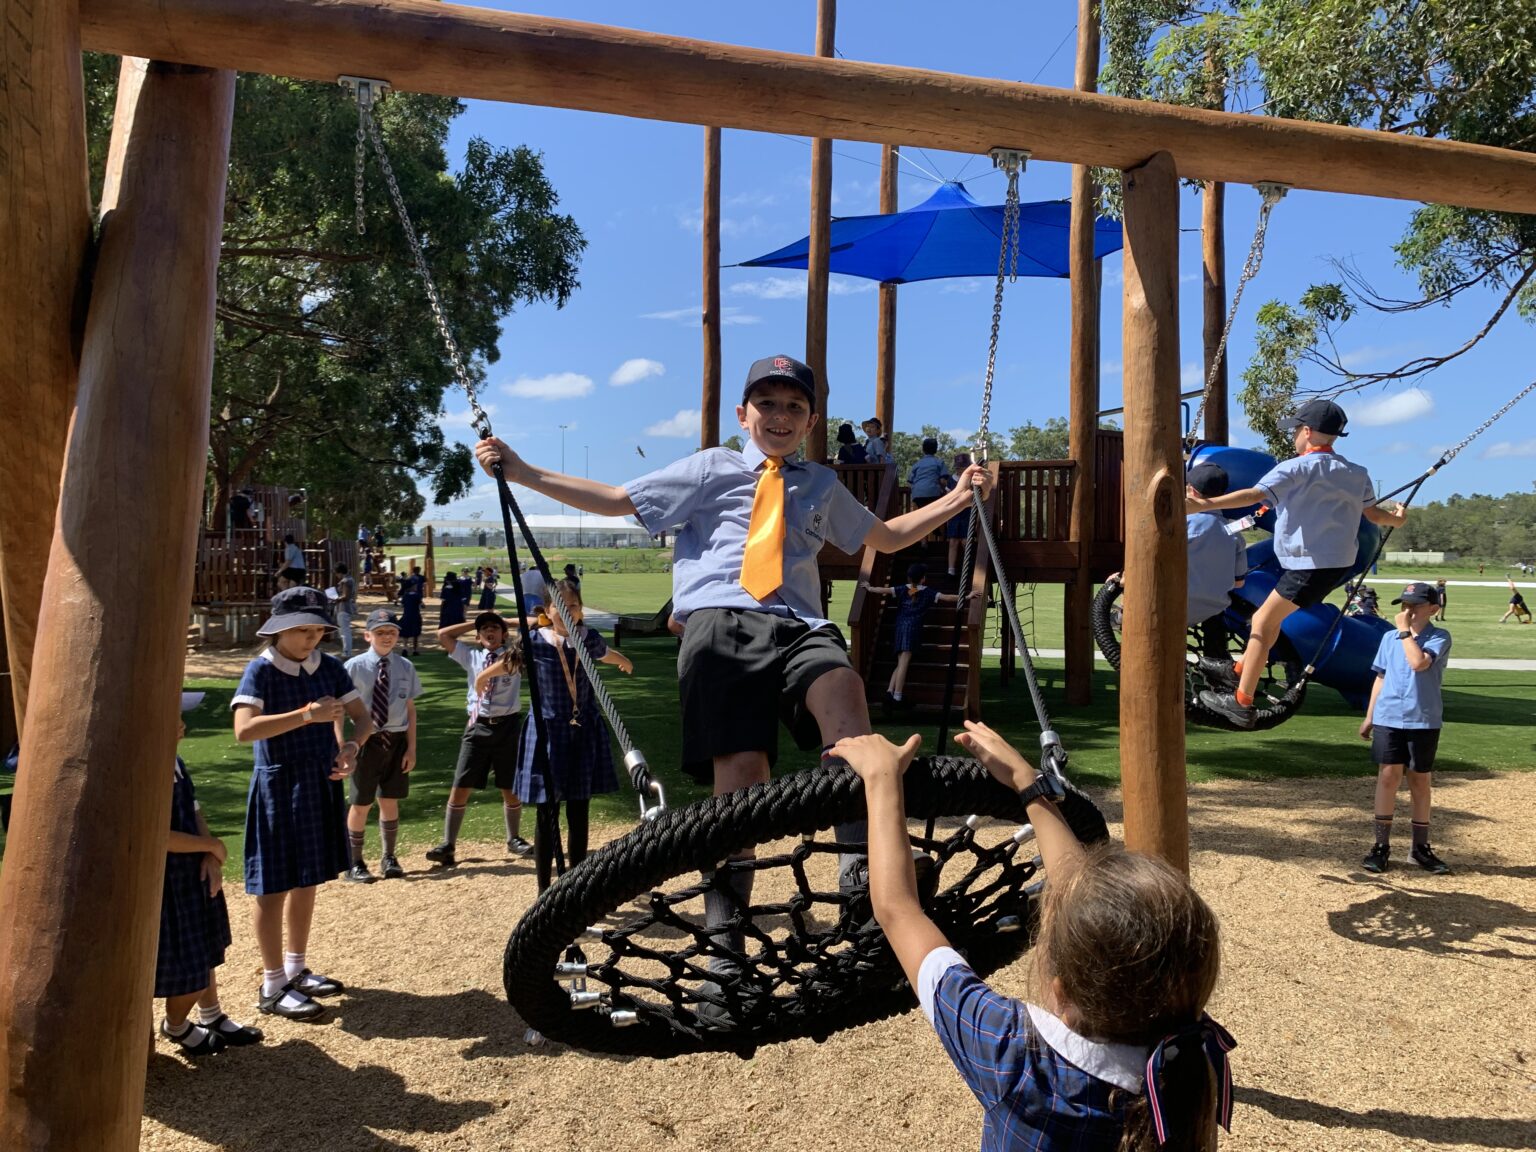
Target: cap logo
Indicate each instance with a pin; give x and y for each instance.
(782, 363)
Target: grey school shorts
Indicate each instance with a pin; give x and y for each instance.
(739, 673)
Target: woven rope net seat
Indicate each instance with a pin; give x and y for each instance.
(625, 929)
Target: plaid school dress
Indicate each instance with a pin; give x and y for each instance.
(911, 607)
(194, 926)
(580, 756)
(295, 815)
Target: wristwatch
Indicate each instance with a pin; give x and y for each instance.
(1404, 633)
(1046, 786)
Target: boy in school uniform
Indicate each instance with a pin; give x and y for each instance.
(489, 745)
(1318, 497)
(875, 451)
(388, 682)
(1403, 721)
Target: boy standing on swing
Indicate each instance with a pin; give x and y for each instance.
(745, 584)
(1318, 497)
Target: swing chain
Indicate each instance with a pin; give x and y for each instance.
(364, 89)
(1012, 162)
(1271, 194)
(1486, 424)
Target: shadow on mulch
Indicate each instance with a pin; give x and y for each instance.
(314, 1101)
(1440, 922)
(1481, 1131)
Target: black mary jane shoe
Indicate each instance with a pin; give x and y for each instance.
(236, 1035)
(273, 1005)
(209, 1045)
(311, 984)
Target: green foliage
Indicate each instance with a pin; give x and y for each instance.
(1498, 528)
(329, 374)
(1286, 337)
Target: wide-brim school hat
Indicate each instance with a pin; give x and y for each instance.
(1419, 593)
(301, 607)
(785, 368)
(190, 700)
(1319, 415)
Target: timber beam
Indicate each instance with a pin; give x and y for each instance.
(451, 50)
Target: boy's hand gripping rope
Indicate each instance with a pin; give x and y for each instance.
(367, 93)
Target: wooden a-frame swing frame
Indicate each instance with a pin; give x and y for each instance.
(105, 388)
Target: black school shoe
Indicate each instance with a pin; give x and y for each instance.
(442, 854)
(311, 984)
(211, 1043)
(235, 1035)
(1377, 859)
(359, 874)
(518, 846)
(1424, 856)
(1225, 704)
(1218, 671)
(390, 868)
(273, 1005)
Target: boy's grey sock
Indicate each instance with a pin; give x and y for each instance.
(512, 816)
(1384, 830)
(389, 832)
(453, 819)
(1420, 834)
(355, 845)
(852, 866)
(720, 909)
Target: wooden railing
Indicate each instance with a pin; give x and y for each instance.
(1034, 499)
(231, 569)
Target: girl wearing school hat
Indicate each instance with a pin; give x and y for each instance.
(295, 822)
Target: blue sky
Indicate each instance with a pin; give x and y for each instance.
(620, 364)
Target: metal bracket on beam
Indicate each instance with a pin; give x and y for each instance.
(1009, 159)
(368, 91)
(1271, 191)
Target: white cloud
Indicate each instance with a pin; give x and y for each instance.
(685, 424)
(966, 287)
(1398, 408)
(730, 316)
(555, 386)
(1509, 449)
(961, 435)
(460, 421)
(1191, 375)
(794, 287)
(730, 226)
(635, 370)
(1371, 353)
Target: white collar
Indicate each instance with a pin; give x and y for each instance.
(1123, 1065)
(291, 667)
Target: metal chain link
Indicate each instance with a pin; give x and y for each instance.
(1272, 194)
(1012, 163)
(1488, 423)
(363, 105)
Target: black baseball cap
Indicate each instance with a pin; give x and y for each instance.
(381, 618)
(1208, 479)
(486, 618)
(785, 368)
(1319, 415)
(1419, 593)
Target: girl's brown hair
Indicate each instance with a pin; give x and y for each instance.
(1137, 953)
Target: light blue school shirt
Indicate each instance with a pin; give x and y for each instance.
(924, 478)
(706, 499)
(501, 698)
(1317, 498)
(1410, 699)
(404, 685)
(1217, 562)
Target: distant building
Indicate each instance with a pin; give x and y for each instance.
(569, 530)
(1429, 559)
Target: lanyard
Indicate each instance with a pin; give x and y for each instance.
(570, 683)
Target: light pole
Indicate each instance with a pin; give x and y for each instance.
(586, 474)
(563, 427)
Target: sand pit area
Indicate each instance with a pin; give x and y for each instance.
(1372, 1013)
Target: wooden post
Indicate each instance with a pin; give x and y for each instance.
(816, 273)
(45, 232)
(1083, 375)
(429, 563)
(1156, 560)
(885, 336)
(1213, 249)
(80, 893)
(709, 424)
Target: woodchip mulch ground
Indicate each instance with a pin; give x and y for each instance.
(1372, 1013)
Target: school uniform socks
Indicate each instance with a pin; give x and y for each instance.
(453, 820)
(1384, 830)
(355, 845)
(719, 909)
(389, 832)
(1420, 834)
(512, 816)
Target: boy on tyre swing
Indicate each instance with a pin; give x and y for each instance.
(746, 587)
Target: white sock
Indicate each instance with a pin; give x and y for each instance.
(209, 1013)
(189, 1036)
(272, 980)
(293, 964)
(895, 695)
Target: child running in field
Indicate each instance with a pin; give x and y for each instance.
(1517, 607)
(194, 924)
(488, 748)
(388, 682)
(578, 760)
(1403, 721)
(1318, 497)
(1120, 1055)
(295, 821)
(913, 600)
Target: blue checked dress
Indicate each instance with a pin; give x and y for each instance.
(295, 815)
(911, 608)
(194, 927)
(580, 756)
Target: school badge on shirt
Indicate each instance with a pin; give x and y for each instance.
(815, 526)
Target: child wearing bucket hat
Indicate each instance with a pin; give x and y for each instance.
(1403, 721)
(1318, 498)
(287, 706)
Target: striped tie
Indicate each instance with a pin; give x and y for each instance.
(380, 705)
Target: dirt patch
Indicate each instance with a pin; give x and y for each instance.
(218, 660)
(1372, 1013)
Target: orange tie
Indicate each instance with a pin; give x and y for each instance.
(762, 566)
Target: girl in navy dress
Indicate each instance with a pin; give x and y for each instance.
(451, 610)
(412, 593)
(488, 590)
(579, 756)
(958, 526)
(295, 819)
(194, 924)
(1120, 1055)
(912, 603)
